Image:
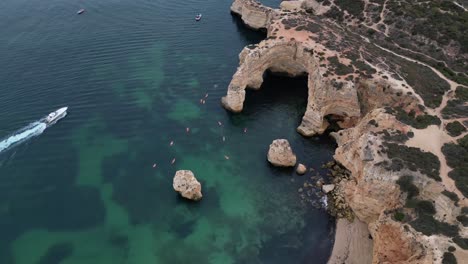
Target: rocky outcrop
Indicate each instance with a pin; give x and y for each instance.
(301, 169)
(280, 154)
(326, 96)
(187, 185)
(392, 244)
(254, 14)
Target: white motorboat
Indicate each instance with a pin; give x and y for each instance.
(56, 115)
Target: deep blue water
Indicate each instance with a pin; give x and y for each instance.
(133, 74)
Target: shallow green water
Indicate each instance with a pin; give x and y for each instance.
(133, 74)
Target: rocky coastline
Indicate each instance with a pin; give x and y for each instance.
(402, 152)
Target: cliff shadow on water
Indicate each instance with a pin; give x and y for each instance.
(251, 35)
(278, 107)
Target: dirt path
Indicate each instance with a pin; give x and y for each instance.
(434, 137)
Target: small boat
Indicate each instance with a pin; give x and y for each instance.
(81, 11)
(55, 116)
(198, 17)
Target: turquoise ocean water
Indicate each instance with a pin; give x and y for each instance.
(133, 74)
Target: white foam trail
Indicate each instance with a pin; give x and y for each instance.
(31, 130)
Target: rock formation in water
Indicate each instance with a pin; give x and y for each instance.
(186, 184)
(280, 154)
(301, 169)
(395, 82)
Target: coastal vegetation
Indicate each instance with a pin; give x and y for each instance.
(461, 242)
(410, 118)
(395, 136)
(455, 128)
(438, 20)
(406, 185)
(449, 258)
(457, 159)
(399, 216)
(422, 79)
(428, 225)
(456, 107)
(463, 219)
(453, 196)
(413, 159)
(353, 7)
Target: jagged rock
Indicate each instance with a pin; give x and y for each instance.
(255, 16)
(328, 188)
(301, 169)
(187, 185)
(280, 154)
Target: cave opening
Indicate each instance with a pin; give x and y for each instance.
(280, 91)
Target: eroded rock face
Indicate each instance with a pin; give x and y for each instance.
(392, 244)
(372, 191)
(280, 154)
(254, 14)
(187, 185)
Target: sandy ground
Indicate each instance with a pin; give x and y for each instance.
(432, 139)
(352, 243)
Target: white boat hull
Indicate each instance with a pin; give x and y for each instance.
(55, 116)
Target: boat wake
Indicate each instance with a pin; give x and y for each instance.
(32, 130)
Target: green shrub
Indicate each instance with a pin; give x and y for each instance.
(449, 258)
(425, 207)
(456, 107)
(464, 210)
(415, 159)
(461, 93)
(461, 242)
(464, 142)
(335, 13)
(455, 128)
(354, 7)
(457, 158)
(463, 219)
(419, 122)
(427, 225)
(422, 79)
(451, 249)
(395, 136)
(406, 185)
(453, 196)
(399, 216)
(338, 67)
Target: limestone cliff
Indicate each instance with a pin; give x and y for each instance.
(406, 182)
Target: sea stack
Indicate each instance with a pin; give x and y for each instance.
(280, 154)
(187, 185)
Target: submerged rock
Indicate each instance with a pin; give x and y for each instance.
(301, 169)
(187, 185)
(280, 154)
